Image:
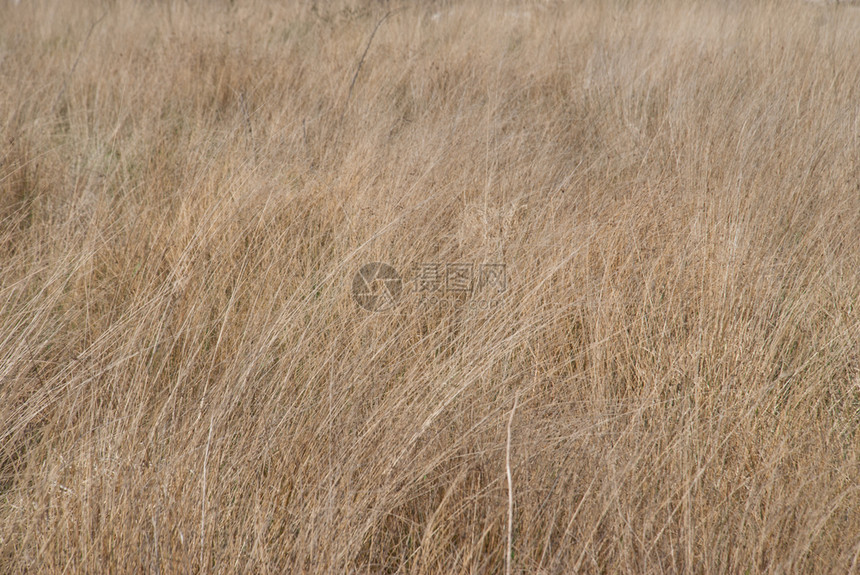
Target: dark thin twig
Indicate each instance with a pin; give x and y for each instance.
(244, 108)
(361, 62)
(77, 59)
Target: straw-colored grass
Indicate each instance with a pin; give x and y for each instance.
(187, 189)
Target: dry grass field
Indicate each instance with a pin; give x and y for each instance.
(669, 381)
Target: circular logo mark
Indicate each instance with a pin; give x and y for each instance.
(376, 287)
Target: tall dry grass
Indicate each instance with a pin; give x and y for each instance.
(188, 187)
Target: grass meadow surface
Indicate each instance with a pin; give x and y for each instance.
(187, 189)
